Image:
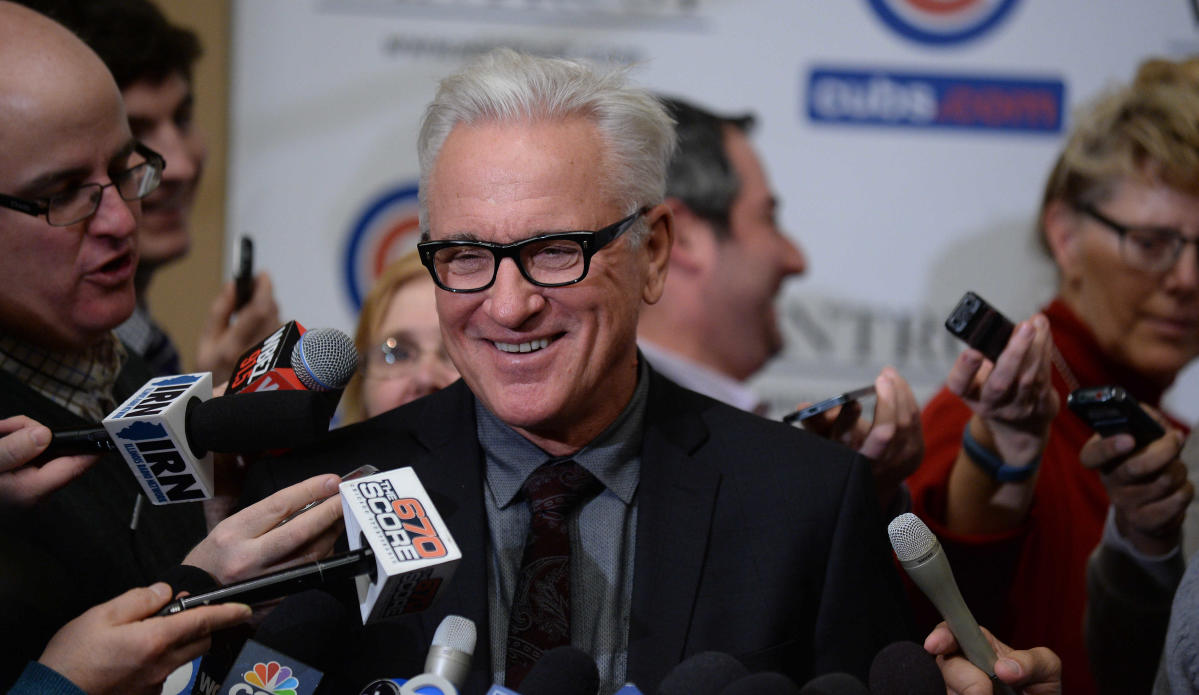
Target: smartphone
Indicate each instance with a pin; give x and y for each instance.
(828, 404)
(243, 282)
(981, 326)
(1110, 410)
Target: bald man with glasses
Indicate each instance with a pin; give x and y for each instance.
(71, 178)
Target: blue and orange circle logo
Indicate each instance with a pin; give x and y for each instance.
(942, 22)
(388, 227)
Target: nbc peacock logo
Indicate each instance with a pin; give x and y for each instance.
(272, 678)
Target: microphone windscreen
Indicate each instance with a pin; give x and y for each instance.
(910, 537)
(456, 632)
(766, 683)
(311, 626)
(904, 668)
(562, 671)
(706, 673)
(835, 684)
(324, 359)
(250, 422)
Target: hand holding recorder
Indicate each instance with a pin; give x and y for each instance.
(23, 485)
(252, 299)
(1009, 388)
(1137, 454)
(892, 440)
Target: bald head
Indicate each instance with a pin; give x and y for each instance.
(62, 129)
(44, 64)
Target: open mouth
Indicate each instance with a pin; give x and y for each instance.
(115, 265)
(531, 346)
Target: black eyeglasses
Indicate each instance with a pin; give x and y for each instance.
(79, 203)
(548, 260)
(1152, 249)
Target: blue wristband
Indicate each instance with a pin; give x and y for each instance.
(994, 466)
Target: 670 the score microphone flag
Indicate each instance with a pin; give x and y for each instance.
(414, 553)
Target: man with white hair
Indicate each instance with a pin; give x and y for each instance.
(597, 503)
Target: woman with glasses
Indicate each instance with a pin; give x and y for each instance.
(1006, 482)
(399, 338)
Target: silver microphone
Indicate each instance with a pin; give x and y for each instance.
(920, 553)
(453, 647)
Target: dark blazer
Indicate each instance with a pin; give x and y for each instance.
(753, 538)
(76, 549)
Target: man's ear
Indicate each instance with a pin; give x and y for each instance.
(658, 250)
(1060, 224)
(694, 246)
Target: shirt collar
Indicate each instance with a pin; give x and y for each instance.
(612, 457)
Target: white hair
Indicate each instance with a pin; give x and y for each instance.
(507, 86)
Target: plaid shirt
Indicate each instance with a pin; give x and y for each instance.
(81, 382)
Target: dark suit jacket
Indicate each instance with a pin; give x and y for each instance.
(753, 538)
(75, 549)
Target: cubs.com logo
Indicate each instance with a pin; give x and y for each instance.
(387, 228)
(942, 22)
(269, 678)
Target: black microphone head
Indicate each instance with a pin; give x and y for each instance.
(311, 626)
(324, 359)
(765, 683)
(562, 671)
(243, 423)
(904, 668)
(834, 684)
(706, 673)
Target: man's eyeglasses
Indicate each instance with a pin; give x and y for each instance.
(1152, 249)
(548, 260)
(79, 203)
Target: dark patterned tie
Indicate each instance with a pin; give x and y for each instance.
(540, 617)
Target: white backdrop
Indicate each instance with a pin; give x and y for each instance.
(896, 221)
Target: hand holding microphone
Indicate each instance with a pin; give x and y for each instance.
(22, 485)
(117, 647)
(921, 556)
(1036, 671)
(251, 542)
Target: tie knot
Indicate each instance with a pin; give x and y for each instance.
(557, 487)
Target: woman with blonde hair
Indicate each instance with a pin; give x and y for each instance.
(1015, 484)
(399, 339)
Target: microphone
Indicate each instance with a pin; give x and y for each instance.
(281, 583)
(324, 359)
(770, 683)
(401, 555)
(293, 359)
(831, 684)
(452, 648)
(309, 627)
(446, 665)
(267, 365)
(705, 673)
(920, 553)
(564, 670)
(166, 430)
(904, 668)
(414, 553)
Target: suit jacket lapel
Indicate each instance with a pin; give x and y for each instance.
(675, 503)
(453, 476)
